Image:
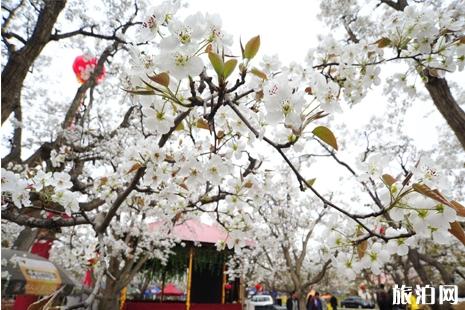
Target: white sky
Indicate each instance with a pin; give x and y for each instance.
(288, 29)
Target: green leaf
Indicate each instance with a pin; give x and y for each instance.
(325, 135)
(362, 248)
(259, 73)
(161, 78)
(140, 92)
(383, 42)
(229, 67)
(251, 48)
(457, 230)
(389, 180)
(150, 86)
(311, 181)
(217, 63)
(201, 123)
(242, 47)
(134, 167)
(180, 126)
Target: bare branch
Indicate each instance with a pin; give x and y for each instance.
(400, 5)
(119, 200)
(181, 116)
(13, 214)
(92, 81)
(59, 36)
(319, 276)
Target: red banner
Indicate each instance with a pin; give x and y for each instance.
(150, 305)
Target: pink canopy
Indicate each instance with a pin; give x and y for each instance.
(171, 290)
(196, 231)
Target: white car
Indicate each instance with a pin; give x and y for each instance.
(259, 302)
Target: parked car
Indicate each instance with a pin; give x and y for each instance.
(356, 302)
(260, 302)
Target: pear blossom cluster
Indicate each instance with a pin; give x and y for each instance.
(215, 132)
(428, 38)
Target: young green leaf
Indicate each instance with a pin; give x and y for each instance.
(311, 181)
(201, 123)
(161, 78)
(361, 248)
(229, 67)
(383, 42)
(325, 135)
(457, 230)
(259, 73)
(460, 209)
(389, 180)
(147, 92)
(251, 48)
(180, 126)
(217, 63)
(134, 167)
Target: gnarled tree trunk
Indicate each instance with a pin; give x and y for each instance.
(447, 106)
(19, 62)
(110, 295)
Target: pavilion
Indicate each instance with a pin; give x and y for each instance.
(207, 286)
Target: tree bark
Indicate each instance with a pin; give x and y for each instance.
(447, 106)
(110, 295)
(19, 62)
(416, 264)
(440, 92)
(303, 301)
(447, 277)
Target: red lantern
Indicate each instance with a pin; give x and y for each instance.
(228, 286)
(84, 65)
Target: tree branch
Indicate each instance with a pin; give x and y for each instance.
(400, 5)
(13, 214)
(445, 102)
(19, 62)
(164, 138)
(119, 200)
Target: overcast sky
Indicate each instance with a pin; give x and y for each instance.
(287, 28)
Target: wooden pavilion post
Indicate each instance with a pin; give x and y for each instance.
(189, 279)
(163, 278)
(223, 284)
(241, 290)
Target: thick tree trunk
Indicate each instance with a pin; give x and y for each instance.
(447, 106)
(447, 277)
(440, 92)
(303, 301)
(416, 264)
(110, 296)
(19, 62)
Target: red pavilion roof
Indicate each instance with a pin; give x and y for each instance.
(196, 231)
(171, 290)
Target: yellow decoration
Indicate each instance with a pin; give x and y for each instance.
(223, 284)
(413, 303)
(189, 280)
(122, 299)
